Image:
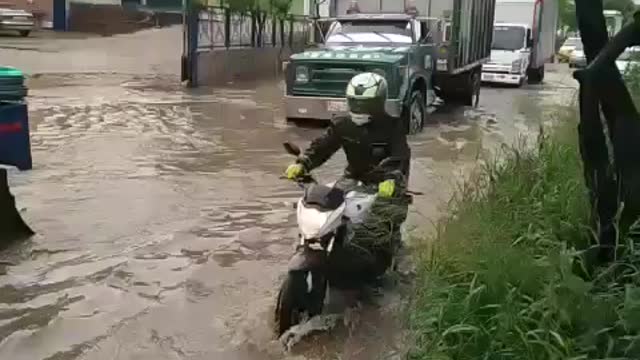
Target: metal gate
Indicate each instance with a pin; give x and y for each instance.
(215, 28)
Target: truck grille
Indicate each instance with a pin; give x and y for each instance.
(328, 79)
(496, 68)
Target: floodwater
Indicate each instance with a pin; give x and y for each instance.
(164, 229)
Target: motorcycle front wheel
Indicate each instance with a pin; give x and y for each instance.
(299, 297)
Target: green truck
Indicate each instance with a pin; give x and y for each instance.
(422, 58)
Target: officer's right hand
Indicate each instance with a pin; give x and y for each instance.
(294, 171)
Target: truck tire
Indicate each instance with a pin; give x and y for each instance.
(536, 76)
(414, 113)
(471, 96)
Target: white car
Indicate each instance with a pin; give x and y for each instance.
(628, 59)
(568, 47)
(16, 20)
(577, 59)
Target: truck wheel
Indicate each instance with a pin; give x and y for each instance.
(415, 113)
(472, 95)
(536, 75)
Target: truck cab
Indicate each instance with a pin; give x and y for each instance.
(400, 47)
(510, 54)
(421, 57)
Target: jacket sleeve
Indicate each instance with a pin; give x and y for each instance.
(401, 151)
(321, 149)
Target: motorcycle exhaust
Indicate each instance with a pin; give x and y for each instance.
(12, 226)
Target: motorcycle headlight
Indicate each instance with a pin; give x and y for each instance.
(302, 74)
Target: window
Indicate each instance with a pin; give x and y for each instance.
(371, 31)
(508, 38)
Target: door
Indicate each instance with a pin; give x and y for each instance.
(59, 15)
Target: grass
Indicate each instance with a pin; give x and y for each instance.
(505, 277)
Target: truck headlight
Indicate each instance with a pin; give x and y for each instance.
(302, 74)
(516, 66)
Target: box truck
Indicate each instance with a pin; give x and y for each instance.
(524, 38)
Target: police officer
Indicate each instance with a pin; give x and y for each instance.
(368, 135)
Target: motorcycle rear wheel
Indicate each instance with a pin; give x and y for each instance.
(296, 298)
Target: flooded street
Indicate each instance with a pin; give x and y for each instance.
(163, 227)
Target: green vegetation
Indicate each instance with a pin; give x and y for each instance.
(567, 14)
(508, 276)
(277, 7)
(631, 77)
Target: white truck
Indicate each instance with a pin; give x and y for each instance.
(614, 20)
(524, 38)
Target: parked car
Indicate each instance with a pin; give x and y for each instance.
(567, 48)
(16, 20)
(628, 59)
(577, 59)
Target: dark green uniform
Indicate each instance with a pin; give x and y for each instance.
(365, 146)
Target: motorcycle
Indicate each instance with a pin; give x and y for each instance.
(325, 215)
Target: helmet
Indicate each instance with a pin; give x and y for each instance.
(366, 96)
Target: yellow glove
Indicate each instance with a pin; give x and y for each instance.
(294, 171)
(386, 188)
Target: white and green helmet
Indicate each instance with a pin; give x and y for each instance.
(367, 94)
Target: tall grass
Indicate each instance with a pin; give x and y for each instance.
(505, 277)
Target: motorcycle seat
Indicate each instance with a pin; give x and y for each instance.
(323, 197)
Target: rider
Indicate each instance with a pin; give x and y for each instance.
(368, 135)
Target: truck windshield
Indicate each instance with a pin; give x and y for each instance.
(370, 32)
(508, 38)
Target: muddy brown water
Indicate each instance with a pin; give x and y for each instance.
(164, 229)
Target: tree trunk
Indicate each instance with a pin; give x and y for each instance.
(12, 227)
(611, 169)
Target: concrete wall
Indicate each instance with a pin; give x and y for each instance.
(222, 66)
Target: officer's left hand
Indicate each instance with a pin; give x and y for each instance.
(386, 188)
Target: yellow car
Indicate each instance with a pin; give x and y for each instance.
(564, 54)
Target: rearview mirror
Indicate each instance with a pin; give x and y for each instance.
(292, 149)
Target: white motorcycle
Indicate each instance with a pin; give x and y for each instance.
(326, 215)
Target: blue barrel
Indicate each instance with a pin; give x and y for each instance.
(15, 143)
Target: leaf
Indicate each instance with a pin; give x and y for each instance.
(460, 328)
(558, 339)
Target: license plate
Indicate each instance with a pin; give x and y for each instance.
(337, 106)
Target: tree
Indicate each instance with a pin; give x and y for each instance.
(567, 18)
(280, 8)
(608, 146)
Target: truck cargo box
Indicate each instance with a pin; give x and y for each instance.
(467, 30)
(541, 16)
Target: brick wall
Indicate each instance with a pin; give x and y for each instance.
(114, 19)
